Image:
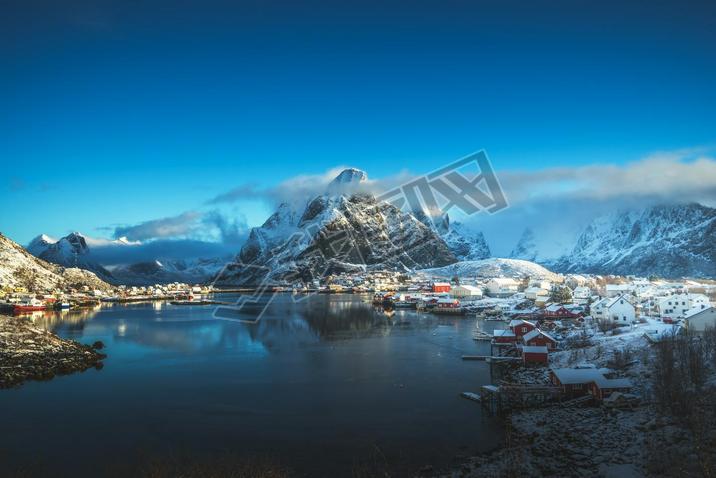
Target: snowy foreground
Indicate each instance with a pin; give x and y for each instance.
(558, 440)
(31, 353)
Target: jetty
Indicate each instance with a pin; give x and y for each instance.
(502, 398)
(492, 358)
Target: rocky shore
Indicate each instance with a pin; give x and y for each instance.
(31, 353)
(599, 441)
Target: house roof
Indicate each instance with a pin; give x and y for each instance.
(502, 333)
(469, 287)
(603, 382)
(574, 376)
(516, 322)
(504, 281)
(691, 313)
(535, 333)
(616, 299)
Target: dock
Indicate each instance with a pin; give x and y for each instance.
(491, 358)
(502, 398)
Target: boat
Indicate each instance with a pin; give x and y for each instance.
(480, 335)
(29, 305)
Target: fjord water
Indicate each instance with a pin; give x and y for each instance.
(318, 385)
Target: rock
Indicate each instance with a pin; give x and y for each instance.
(29, 353)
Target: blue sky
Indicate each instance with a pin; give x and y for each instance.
(116, 113)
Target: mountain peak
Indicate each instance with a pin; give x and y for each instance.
(39, 244)
(350, 176)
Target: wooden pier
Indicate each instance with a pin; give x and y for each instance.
(502, 398)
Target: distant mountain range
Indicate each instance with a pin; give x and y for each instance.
(301, 242)
(668, 241)
(76, 250)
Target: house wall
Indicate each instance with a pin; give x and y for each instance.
(541, 340)
(702, 320)
(535, 358)
(622, 311)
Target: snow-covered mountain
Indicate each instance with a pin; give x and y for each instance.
(70, 251)
(669, 241)
(495, 267)
(80, 251)
(337, 231)
(465, 244)
(526, 249)
(19, 268)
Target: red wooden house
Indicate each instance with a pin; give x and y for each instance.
(538, 338)
(558, 311)
(535, 355)
(503, 336)
(521, 327)
(602, 387)
(593, 381)
(441, 287)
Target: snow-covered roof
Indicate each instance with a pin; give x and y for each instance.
(504, 281)
(697, 310)
(502, 333)
(617, 299)
(516, 322)
(604, 382)
(554, 307)
(536, 332)
(573, 376)
(471, 288)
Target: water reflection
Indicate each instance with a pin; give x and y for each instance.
(287, 323)
(317, 381)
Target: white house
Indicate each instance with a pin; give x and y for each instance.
(502, 287)
(540, 284)
(614, 290)
(700, 318)
(696, 300)
(533, 292)
(466, 291)
(673, 306)
(581, 294)
(618, 309)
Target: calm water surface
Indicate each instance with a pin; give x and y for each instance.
(318, 385)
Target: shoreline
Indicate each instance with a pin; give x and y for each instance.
(598, 440)
(31, 353)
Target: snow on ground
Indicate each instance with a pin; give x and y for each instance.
(495, 267)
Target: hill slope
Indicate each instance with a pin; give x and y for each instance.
(19, 268)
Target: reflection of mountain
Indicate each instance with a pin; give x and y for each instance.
(287, 324)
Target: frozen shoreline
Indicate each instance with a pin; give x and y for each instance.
(30, 353)
(587, 441)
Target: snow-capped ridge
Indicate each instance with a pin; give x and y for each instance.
(494, 267)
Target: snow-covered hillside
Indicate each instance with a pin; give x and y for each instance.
(669, 241)
(19, 268)
(495, 267)
(336, 232)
